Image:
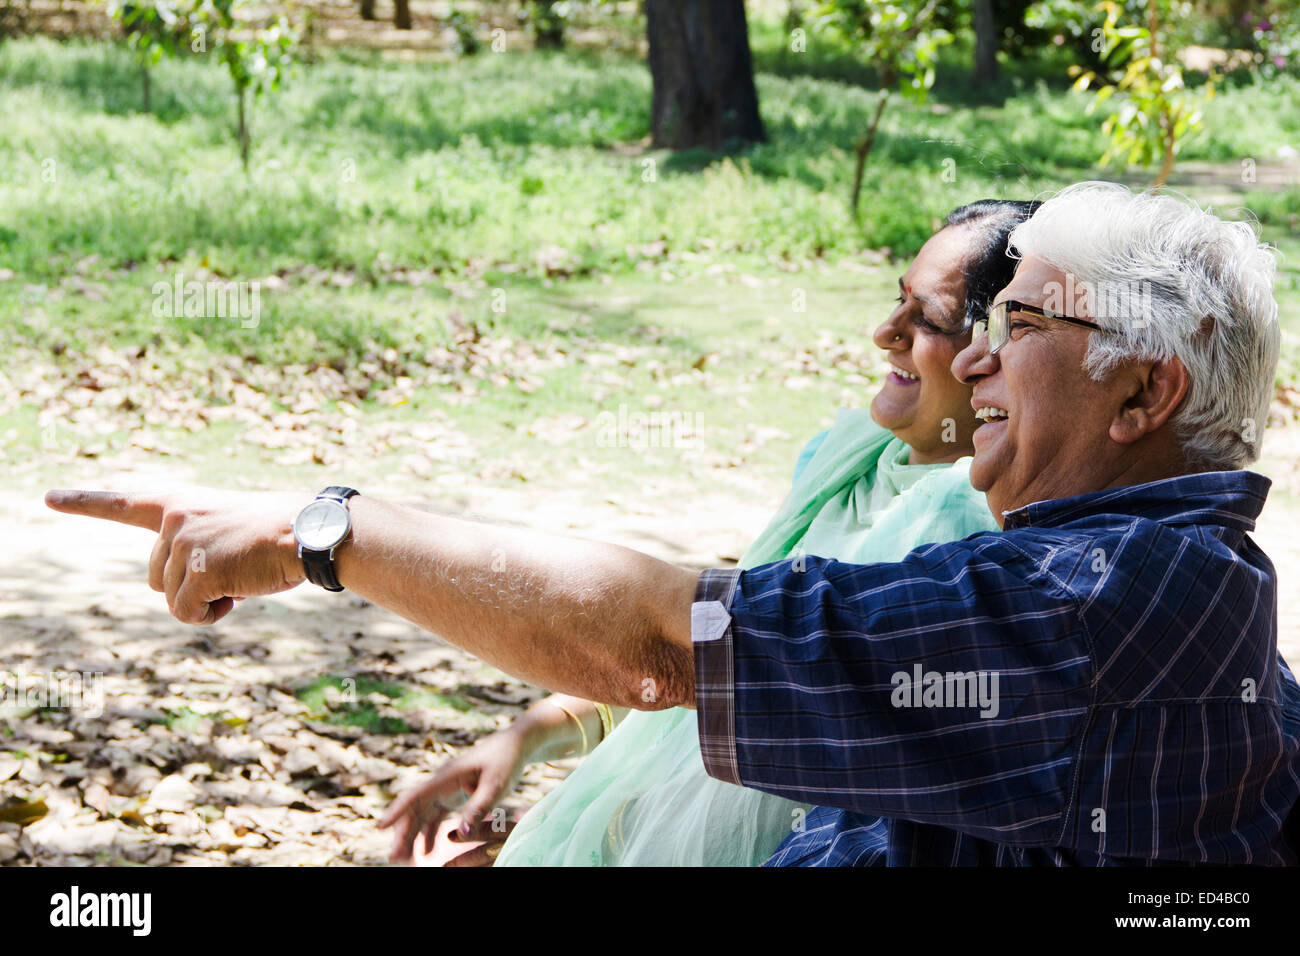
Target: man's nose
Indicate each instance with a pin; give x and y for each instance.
(975, 361)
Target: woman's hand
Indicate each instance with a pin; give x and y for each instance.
(480, 848)
(553, 727)
(486, 772)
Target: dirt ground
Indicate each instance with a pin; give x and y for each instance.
(252, 775)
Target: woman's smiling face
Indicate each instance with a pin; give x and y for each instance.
(921, 401)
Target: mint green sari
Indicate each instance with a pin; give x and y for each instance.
(642, 797)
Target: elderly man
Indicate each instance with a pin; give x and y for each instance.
(1097, 683)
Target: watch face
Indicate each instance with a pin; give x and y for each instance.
(322, 524)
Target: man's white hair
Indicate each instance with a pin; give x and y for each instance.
(1173, 280)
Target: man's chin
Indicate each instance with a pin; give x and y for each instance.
(991, 458)
(982, 471)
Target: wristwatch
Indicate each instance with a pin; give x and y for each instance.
(319, 529)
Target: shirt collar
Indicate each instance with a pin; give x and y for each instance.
(1232, 499)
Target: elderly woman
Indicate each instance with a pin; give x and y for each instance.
(1098, 683)
(871, 488)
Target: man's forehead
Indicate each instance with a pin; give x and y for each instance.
(1034, 283)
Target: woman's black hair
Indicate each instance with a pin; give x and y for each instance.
(989, 269)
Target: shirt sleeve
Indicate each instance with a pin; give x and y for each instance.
(950, 688)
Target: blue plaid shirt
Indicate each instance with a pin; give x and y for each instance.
(1097, 684)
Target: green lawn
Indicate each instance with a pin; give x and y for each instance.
(488, 239)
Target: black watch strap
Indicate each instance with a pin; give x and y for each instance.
(319, 568)
(319, 565)
(341, 492)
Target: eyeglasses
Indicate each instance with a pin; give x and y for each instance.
(999, 329)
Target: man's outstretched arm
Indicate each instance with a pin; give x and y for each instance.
(580, 617)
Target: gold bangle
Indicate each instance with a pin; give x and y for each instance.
(581, 729)
(606, 719)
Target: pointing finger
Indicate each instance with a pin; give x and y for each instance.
(141, 510)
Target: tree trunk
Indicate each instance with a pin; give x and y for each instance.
(402, 14)
(243, 128)
(309, 35)
(986, 43)
(1167, 122)
(793, 15)
(863, 149)
(703, 75)
(367, 9)
(548, 26)
(1167, 165)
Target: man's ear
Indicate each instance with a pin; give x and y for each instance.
(1158, 390)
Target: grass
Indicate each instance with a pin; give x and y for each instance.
(396, 204)
(184, 719)
(343, 701)
(465, 166)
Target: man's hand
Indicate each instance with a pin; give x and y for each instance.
(213, 547)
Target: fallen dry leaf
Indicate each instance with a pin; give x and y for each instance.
(24, 813)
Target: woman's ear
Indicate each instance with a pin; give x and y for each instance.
(1158, 390)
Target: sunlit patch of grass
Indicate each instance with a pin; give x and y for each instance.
(184, 720)
(338, 699)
